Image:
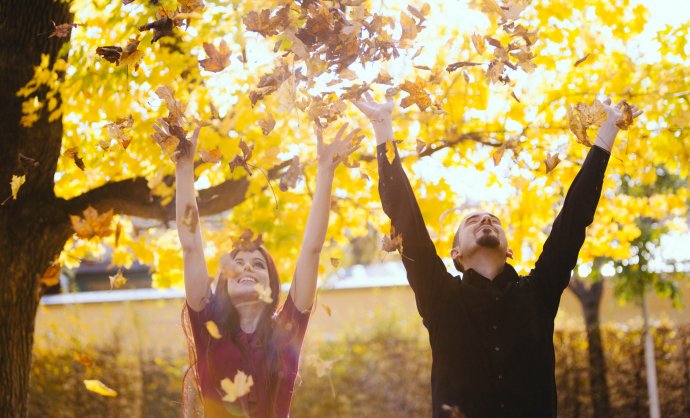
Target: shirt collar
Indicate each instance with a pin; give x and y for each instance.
(505, 277)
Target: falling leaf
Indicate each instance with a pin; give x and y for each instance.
(454, 66)
(118, 232)
(478, 43)
(51, 277)
(294, 172)
(454, 411)
(327, 309)
(497, 155)
(626, 118)
(409, 27)
(512, 93)
(116, 130)
(161, 27)
(383, 78)
(217, 59)
(98, 387)
(242, 160)
(246, 241)
(212, 329)
(73, 153)
(131, 56)
(551, 162)
(323, 367)
(392, 244)
(92, 224)
(421, 146)
(82, 358)
(63, 30)
(267, 124)
(236, 388)
(494, 71)
(417, 94)
(582, 116)
(581, 60)
(117, 280)
(264, 293)
(16, 184)
(110, 53)
(212, 156)
(335, 262)
(390, 151)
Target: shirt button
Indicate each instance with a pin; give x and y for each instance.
(500, 377)
(502, 405)
(497, 348)
(497, 298)
(494, 326)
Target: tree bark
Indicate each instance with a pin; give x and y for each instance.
(590, 300)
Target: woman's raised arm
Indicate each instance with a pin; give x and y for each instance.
(303, 288)
(196, 280)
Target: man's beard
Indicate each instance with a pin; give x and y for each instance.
(488, 241)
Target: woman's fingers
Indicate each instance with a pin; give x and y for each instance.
(607, 101)
(318, 130)
(368, 96)
(341, 130)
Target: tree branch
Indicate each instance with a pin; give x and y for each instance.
(133, 197)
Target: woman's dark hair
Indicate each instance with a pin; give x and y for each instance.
(227, 318)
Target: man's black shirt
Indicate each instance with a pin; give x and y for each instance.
(492, 341)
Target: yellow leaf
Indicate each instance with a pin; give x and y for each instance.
(335, 262)
(212, 329)
(51, 276)
(390, 151)
(15, 184)
(326, 308)
(237, 387)
(264, 293)
(93, 224)
(551, 162)
(98, 387)
(117, 280)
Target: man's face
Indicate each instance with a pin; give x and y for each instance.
(482, 230)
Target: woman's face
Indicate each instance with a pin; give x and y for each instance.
(246, 275)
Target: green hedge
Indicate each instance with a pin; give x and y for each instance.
(371, 371)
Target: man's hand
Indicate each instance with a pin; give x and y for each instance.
(380, 115)
(330, 155)
(606, 135)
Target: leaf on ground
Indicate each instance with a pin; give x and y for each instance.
(240, 386)
(626, 118)
(92, 224)
(100, 388)
(118, 280)
(16, 184)
(551, 162)
(217, 59)
(212, 329)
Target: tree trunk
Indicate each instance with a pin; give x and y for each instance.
(33, 229)
(650, 363)
(590, 299)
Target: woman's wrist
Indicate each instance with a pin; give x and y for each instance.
(383, 131)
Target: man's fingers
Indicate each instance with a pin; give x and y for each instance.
(318, 130)
(368, 96)
(341, 130)
(607, 101)
(637, 113)
(352, 133)
(195, 136)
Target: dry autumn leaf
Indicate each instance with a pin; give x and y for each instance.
(63, 30)
(116, 130)
(191, 218)
(110, 53)
(73, 153)
(131, 56)
(92, 224)
(161, 27)
(213, 331)
(626, 118)
(242, 160)
(294, 172)
(390, 151)
(454, 66)
(582, 116)
(15, 184)
(100, 388)
(267, 124)
(217, 59)
(212, 156)
(51, 277)
(417, 94)
(478, 43)
(409, 27)
(118, 280)
(389, 244)
(118, 232)
(234, 389)
(551, 162)
(421, 146)
(264, 293)
(581, 60)
(497, 155)
(327, 309)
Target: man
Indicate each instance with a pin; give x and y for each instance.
(491, 332)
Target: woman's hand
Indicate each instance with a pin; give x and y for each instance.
(379, 114)
(606, 135)
(330, 155)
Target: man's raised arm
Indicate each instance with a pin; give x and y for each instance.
(559, 256)
(426, 272)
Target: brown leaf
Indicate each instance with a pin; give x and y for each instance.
(190, 218)
(581, 60)
(63, 30)
(131, 56)
(497, 155)
(51, 277)
(267, 124)
(454, 66)
(116, 130)
(294, 172)
(161, 27)
(417, 94)
(478, 42)
(242, 160)
(392, 244)
(626, 118)
(118, 280)
(551, 162)
(582, 116)
(92, 224)
(73, 153)
(409, 27)
(110, 53)
(217, 59)
(246, 241)
(512, 93)
(421, 146)
(118, 232)
(212, 156)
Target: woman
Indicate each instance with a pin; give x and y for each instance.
(237, 329)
